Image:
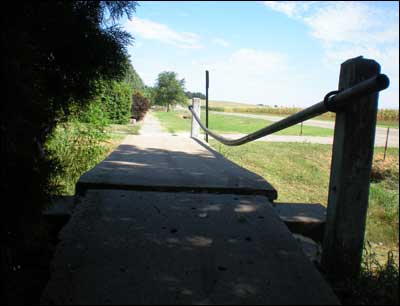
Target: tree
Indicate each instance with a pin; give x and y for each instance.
(149, 93)
(169, 90)
(191, 95)
(140, 106)
(132, 77)
(53, 52)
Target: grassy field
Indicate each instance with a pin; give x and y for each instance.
(386, 117)
(300, 173)
(173, 121)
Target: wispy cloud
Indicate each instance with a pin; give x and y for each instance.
(343, 21)
(348, 29)
(151, 30)
(293, 9)
(249, 75)
(221, 42)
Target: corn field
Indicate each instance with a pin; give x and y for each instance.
(387, 115)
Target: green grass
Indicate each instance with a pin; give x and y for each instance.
(300, 173)
(173, 122)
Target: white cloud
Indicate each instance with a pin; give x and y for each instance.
(246, 75)
(221, 42)
(287, 7)
(352, 22)
(349, 29)
(151, 30)
(293, 9)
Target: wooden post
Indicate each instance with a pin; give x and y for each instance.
(195, 132)
(386, 143)
(352, 155)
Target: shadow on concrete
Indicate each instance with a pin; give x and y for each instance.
(132, 247)
(197, 169)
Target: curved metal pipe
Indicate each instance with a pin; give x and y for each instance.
(372, 85)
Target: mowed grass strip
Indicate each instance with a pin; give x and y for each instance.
(300, 173)
(174, 121)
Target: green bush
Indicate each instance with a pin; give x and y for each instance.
(76, 145)
(140, 106)
(115, 100)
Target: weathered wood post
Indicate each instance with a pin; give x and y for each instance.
(352, 155)
(195, 132)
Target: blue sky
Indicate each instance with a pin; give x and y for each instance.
(271, 52)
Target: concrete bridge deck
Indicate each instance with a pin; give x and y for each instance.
(136, 238)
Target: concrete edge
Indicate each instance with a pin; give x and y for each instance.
(82, 187)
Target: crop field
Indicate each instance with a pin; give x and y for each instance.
(385, 117)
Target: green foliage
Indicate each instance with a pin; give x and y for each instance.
(53, 52)
(149, 93)
(115, 99)
(140, 106)
(75, 147)
(169, 90)
(132, 78)
(191, 95)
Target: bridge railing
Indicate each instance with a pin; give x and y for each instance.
(356, 106)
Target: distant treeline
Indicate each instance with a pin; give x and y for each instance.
(191, 95)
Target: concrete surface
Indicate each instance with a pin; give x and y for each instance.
(171, 163)
(151, 125)
(130, 247)
(306, 219)
(286, 138)
(380, 136)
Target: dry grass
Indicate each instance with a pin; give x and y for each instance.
(383, 169)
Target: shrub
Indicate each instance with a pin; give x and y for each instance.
(75, 147)
(140, 106)
(115, 100)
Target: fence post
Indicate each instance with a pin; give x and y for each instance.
(352, 155)
(195, 126)
(386, 143)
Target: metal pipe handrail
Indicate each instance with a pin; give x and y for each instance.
(330, 103)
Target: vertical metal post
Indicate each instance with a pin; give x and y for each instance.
(301, 129)
(386, 143)
(195, 131)
(207, 85)
(352, 153)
